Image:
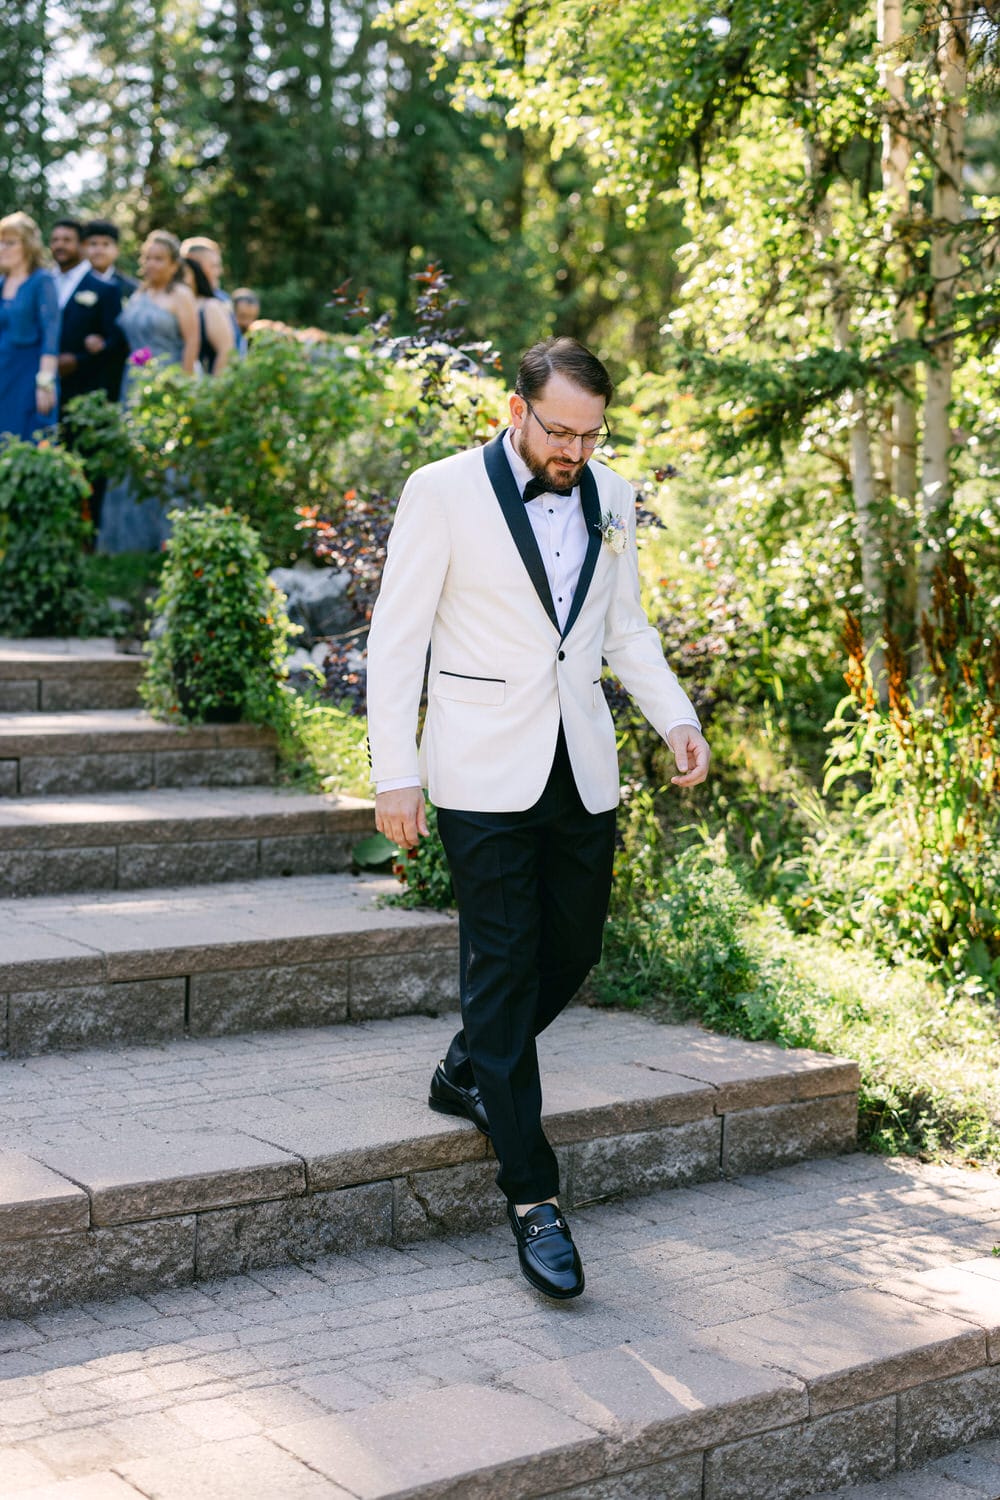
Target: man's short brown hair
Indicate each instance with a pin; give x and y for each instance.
(562, 356)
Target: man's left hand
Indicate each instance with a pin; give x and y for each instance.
(691, 753)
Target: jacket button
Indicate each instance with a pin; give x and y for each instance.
(562, 656)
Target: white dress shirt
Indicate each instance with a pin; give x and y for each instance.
(560, 529)
(68, 281)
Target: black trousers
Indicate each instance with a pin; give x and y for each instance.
(532, 889)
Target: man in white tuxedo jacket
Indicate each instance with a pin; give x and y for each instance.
(517, 564)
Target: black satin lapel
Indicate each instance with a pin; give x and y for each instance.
(591, 505)
(516, 517)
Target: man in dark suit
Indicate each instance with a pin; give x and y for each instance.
(100, 246)
(90, 308)
(517, 562)
(91, 345)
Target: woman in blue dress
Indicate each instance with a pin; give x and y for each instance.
(160, 322)
(29, 331)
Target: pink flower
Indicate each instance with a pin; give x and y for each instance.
(140, 356)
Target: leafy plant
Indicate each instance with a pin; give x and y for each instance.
(675, 925)
(263, 433)
(922, 777)
(43, 532)
(222, 636)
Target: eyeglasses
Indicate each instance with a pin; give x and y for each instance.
(558, 437)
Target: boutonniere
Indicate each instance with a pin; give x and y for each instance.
(613, 533)
(85, 298)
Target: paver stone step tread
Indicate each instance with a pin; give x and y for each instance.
(115, 730)
(130, 934)
(60, 651)
(223, 1151)
(432, 1370)
(269, 951)
(170, 813)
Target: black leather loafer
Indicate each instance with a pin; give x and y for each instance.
(451, 1099)
(549, 1259)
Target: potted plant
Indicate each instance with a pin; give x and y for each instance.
(220, 634)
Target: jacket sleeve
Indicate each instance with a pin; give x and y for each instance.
(48, 313)
(415, 570)
(632, 648)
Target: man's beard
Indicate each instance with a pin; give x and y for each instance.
(541, 466)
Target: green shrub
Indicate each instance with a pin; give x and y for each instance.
(223, 632)
(299, 423)
(328, 747)
(263, 433)
(43, 495)
(676, 926)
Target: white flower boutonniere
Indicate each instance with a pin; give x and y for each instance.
(613, 533)
(85, 298)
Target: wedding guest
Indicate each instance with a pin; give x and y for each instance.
(101, 247)
(160, 322)
(209, 256)
(215, 326)
(29, 330)
(161, 316)
(246, 311)
(90, 344)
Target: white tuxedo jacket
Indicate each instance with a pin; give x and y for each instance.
(464, 573)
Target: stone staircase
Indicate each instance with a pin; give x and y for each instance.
(239, 1255)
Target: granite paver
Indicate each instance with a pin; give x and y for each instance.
(408, 1370)
(299, 1143)
(221, 923)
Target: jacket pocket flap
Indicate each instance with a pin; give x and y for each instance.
(465, 689)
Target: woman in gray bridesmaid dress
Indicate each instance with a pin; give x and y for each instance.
(160, 322)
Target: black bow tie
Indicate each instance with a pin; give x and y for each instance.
(536, 487)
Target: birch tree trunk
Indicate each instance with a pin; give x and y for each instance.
(863, 479)
(948, 155)
(901, 468)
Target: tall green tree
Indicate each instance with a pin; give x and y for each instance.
(25, 151)
(839, 279)
(318, 144)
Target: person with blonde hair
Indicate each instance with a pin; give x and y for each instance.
(29, 331)
(160, 322)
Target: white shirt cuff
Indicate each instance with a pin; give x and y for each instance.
(397, 785)
(676, 723)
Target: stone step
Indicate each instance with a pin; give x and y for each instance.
(169, 837)
(151, 1167)
(65, 676)
(150, 965)
(116, 750)
(970, 1473)
(757, 1339)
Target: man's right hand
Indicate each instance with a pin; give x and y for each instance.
(401, 815)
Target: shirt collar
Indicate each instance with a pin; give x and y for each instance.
(520, 469)
(68, 281)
